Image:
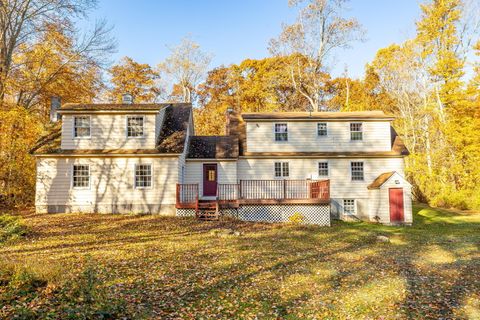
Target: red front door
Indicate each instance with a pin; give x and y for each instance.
(396, 204)
(209, 180)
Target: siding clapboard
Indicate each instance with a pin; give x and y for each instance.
(108, 131)
(302, 137)
(111, 182)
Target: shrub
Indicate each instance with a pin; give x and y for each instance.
(296, 218)
(11, 228)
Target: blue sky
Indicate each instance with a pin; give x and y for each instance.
(236, 30)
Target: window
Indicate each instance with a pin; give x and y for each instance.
(281, 132)
(81, 176)
(135, 127)
(357, 171)
(143, 176)
(281, 169)
(356, 132)
(323, 169)
(349, 206)
(322, 129)
(81, 127)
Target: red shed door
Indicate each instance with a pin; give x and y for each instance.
(209, 180)
(396, 204)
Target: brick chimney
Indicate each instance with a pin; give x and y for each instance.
(228, 115)
(55, 103)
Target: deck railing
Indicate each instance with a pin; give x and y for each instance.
(275, 189)
(187, 194)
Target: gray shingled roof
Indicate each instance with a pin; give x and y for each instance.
(213, 147)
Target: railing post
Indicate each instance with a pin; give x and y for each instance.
(284, 189)
(240, 195)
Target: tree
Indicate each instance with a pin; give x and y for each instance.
(319, 30)
(185, 67)
(24, 22)
(135, 78)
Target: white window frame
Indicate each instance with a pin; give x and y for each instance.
(356, 131)
(135, 176)
(318, 169)
(326, 129)
(72, 171)
(275, 131)
(348, 213)
(143, 126)
(89, 127)
(283, 164)
(351, 171)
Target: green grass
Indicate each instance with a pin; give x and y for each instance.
(166, 267)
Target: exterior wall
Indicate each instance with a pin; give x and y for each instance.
(341, 185)
(380, 202)
(109, 131)
(111, 186)
(226, 171)
(302, 137)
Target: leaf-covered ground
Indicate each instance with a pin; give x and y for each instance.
(167, 267)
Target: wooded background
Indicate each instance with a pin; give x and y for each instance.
(430, 83)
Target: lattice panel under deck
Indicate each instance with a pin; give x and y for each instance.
(312, 214)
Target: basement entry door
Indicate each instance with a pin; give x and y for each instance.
(396, 204)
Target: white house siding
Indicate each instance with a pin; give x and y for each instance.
(109, 131)
(341, 185)
(226, 171)
(302, 137)
(380, 202)
(111, 186)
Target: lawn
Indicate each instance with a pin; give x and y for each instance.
(167, 267)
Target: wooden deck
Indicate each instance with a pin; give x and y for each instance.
(258, 192)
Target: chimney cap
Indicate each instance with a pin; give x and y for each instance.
(127, 98)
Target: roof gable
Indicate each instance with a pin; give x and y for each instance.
(385, 178)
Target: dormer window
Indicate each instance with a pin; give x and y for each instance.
(81, 126)
(356, 131)
(281, 132)
(135, 126)
(322, 129)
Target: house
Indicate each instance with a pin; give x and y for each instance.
(146, 158)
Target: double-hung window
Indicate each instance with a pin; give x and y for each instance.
(323, 169)
(322, 129)
(81, 176)
(281, 132)
(356, 131)
(349, 206)
(282, 170)
(81, 126)
(135, 126)
(143, 176)
(356, 169)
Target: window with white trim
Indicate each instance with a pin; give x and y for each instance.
(323, 169)
(81, 176)
(281, 170)
(135, 126)
(322, 129)
(349, 206)
(281, 132)
(81, 126)
(356, 131)
(143, 176)
(356, 169)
